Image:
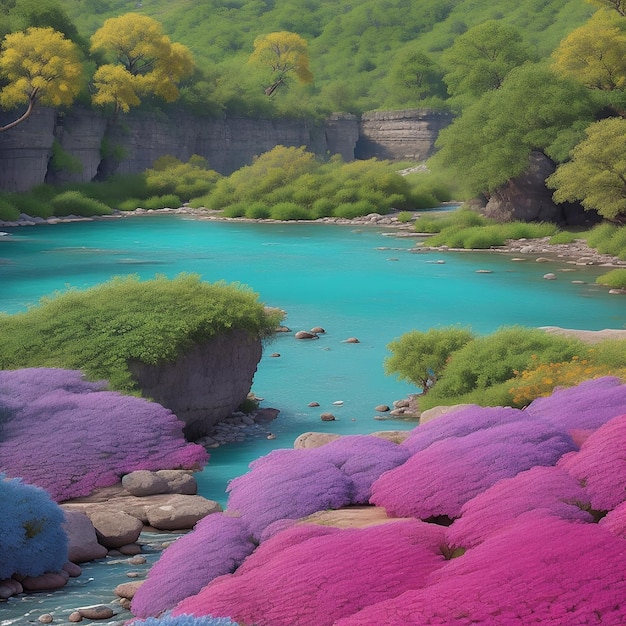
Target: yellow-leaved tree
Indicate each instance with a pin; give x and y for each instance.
(40, 66)
(595, 53)
(283, 53)
(143, 61)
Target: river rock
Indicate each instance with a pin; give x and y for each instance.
(10, 587)
(181, 512)
(395, 436)
(179, 481)
(382, 408)
(327, 417)
(305, 334)
(73, 570)
(46, 582)
(45, 618)
(75, 617)
(114, 528)
(314, 440)
(81, 534)
(128, 590)
(549, 276)
(144, 483)
(318, 330)
(351, 340)
(99, 611)
(438, 411)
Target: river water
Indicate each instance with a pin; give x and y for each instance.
(363, 282)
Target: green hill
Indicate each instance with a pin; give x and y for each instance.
(356, 48)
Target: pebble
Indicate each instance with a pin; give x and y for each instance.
(45, 618)
(99, 611)
(75, 616)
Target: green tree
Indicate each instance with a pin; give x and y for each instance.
(143, 61)
(415, 76)
(480, 59)
(284, 53)
(420, 357)
(493, 138)
(615, 5)
(40, 66)
(596, 173)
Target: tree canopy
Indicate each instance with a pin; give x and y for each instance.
(143, 60)
(284, 53)
(596, 173)
(41, 66)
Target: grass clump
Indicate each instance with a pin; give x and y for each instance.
(615, 279)
(101, 329)
(75, 203)
(8, 211)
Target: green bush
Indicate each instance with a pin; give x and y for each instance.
(130, 205)
(8, 212)
(601, 233)
(75, 203)
(322, 208)
(615, 279)
(258, 211)
(528, 230)
(32, 204)
(185, 180)
(460, 218)
(614, 244)
(100, 330)
(63, 161)
(200, 202)
(289, 211)
(235, 210)
(610, 352)
(350, 210)
(564, 237)
(489, 361)
(405, 217)
(169, 200)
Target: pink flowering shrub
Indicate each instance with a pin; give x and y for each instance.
(584, 407)
(321, 578)
(600, 464)
(460, 423)
(217, 545)
(65, 435)
(548, 489)
(32, 539)
(541, 570)
(439, 479)
(615, 521)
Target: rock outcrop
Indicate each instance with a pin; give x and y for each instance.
(398, 135)
(526, 198)
(206, 384)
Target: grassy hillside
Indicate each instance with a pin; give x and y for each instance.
(353, 46)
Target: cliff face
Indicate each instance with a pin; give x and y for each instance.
(205, 385)
(227, 144)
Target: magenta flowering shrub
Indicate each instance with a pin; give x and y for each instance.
(541, 570)
(460, 423)
(584, 407)
(69, 437)
(600, 464)
(217, 545)
(548, 489)
(32, 539)
(615, 521)
(441, 478)
(321, 578)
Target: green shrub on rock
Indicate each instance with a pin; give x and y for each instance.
(75, 203)
(101, 329)
(616, 279)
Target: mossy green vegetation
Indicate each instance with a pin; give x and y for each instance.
(509, 367)
(99, 330)
(291, 184)
(616, 279)
(467, 229)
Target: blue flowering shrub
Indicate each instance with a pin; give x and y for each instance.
(32, 539)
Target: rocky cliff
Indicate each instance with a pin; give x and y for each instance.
(206, 384)
(227, 144)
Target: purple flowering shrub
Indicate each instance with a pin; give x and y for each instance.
(548, 489)
(184, 620)
(217, 545)
(584, 407)
(460, 423)
(441, 478)
(69, 437)
(540, 570)
(322, 576)
(32, 539)
(600, 464)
